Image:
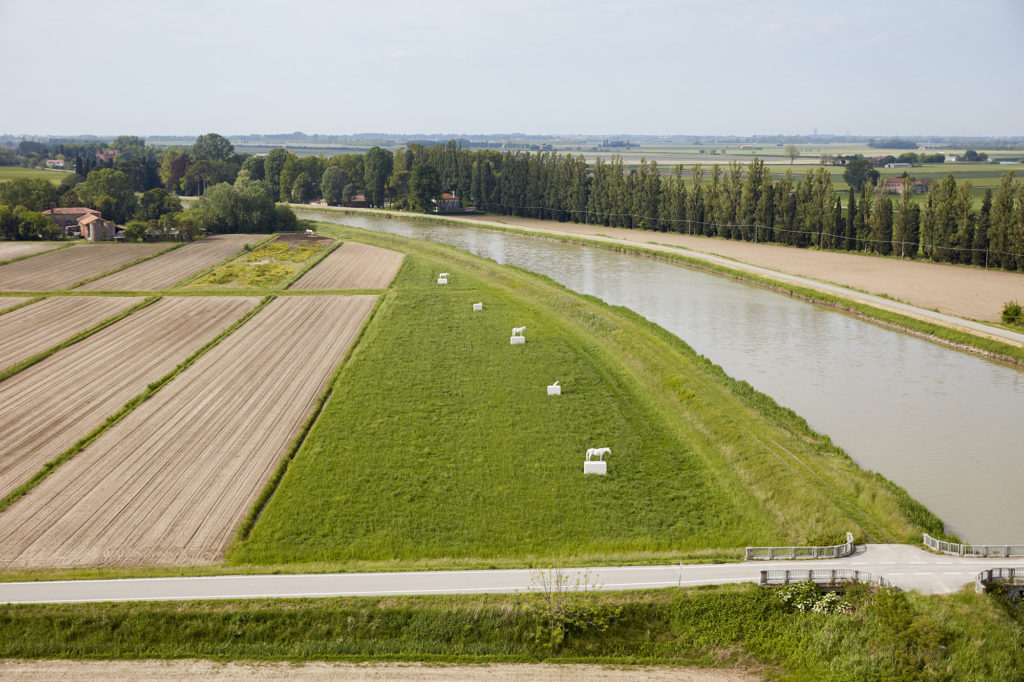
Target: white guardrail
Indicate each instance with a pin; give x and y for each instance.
(972, 550)
(820, 576)
(1009, 575)
(824, 552)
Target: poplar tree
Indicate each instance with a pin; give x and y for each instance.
(851, 214)
(999, 222)
(979, 245)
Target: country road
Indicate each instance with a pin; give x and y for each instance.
(906, 566)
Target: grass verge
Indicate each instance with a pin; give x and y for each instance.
(889, 635)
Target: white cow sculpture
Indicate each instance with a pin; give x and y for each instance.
(596, 466)
(518, 331)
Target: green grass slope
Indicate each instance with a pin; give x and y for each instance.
(439, 446)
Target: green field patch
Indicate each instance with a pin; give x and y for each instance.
(268, 266)
(20, 173)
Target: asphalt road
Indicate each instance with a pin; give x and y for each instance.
(907, 567)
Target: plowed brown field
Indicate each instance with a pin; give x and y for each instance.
(163, 272)
(170, 483)
(9, 250)
(46, 408)
(11, 301)
(60, 269)
(352, 266)
(34, 328)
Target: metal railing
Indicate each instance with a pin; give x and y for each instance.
(820, 576)
(1009, 575)
(824, 552)
(973, 550)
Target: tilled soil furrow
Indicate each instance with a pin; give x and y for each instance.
(47, 407)
(11, 301)
(60, 269)
(42, 325)
(352, 266)
(170, 483)
(165, 271)
(9, 250)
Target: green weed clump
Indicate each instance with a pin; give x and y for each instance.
(269, 266)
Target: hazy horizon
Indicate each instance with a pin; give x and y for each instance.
(651, 67)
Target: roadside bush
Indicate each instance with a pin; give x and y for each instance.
(1013, 313)
(805, 597)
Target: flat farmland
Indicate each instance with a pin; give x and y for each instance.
(60, 269)
(352, 266)
(9, 250)
(11, 301)
(170, 483)
(49, 406)
(163, 272)
(34, 328)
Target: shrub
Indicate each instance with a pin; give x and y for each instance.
(1013, 313)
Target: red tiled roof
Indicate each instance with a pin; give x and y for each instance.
(76, 210)
(447, 195)
(85, 220)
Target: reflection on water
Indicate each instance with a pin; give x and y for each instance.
(943, 424)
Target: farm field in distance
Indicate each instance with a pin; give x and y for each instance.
(65, 267)
(19, 172)
(166, 270)
(266, 267)
(44, 324)
(352, 266)
(52, 404)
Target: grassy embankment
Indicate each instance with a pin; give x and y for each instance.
(440, 448)
(888, 636)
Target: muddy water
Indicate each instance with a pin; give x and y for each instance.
(943, 424)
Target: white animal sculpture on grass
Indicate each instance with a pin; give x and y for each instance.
(598, 452)
(518, 331)
(443, 274)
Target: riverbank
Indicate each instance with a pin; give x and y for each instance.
(965, 334)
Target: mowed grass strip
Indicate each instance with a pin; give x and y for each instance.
(171, 481)
(440, 442)
(164, 271)
(52, 404)
(32, 329)
(352, 266)
(64, 267)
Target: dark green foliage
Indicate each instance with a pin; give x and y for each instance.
(1013, 313)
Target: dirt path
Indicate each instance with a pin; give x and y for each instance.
(956, 290)
(170, 483)
(352, 266)
(398, 672)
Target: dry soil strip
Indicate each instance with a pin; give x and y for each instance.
(170, 482)
(7, 302)
(164, 271)
(352, 266)
(160, 671)
(48, 407)
(60, 269)
(9, 250)
(34, 328)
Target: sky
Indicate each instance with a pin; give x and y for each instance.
(641, 67)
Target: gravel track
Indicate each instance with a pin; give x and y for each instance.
(34, 328)
(60, 269)
(352, 266)
(9, 250)
(163, 272)
(170, 483)
(11, 301)
(48, 407)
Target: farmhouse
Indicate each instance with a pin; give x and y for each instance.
(96, 229)
(899, 165)
(55, 163)
(356, 201)
(895, 186)
(104, 157)
(68, 217)
(449, 203)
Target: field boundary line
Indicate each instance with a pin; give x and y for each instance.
(80, 336)
(119, 268)
(236, 254)
(309, 266)
(32, 299)
(245, 528)
(113, 419)
(37, 253)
